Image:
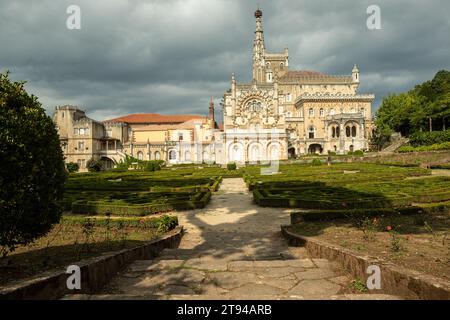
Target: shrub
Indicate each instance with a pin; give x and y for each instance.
(72, 167)
(433, 147)
(428, 138)
(94, 165)
(32, 170)
(149, 166)
(231, 166)
(358, 153)
(316, 162)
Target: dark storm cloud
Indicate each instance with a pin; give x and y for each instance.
(171, 56)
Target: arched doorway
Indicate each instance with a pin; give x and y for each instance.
(255, 153)
(187, 156)
(274, 152)
(107, 163)
(315, 148)
(236, 153)
(291, 153)
(172, 156)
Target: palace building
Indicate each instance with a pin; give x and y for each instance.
(281, 114)
(284, 113)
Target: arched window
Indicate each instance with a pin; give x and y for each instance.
(157, 155)
(140, 155)
(347, 131)
(354, 131)
(338, 131)
(321, 112)
(281, 66)
(311, 132)
(172, 155)
(311, 112)
(333, 132)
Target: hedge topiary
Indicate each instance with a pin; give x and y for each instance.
(316, 162)
(231, 166)
(94, 165)
(72, 167)
(32, 170)
(358, 153)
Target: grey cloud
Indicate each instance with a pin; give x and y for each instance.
(171, 56)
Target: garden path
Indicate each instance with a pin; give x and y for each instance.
(232, 249)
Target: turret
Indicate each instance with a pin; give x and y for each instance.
(355, 74)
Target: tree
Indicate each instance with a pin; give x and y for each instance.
(412, 111)
(32, 171)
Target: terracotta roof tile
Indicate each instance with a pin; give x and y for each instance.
(313, 76)
(151, 118)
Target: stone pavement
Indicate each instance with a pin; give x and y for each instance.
(232, 249)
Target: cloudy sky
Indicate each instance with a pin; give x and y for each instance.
(170, 56)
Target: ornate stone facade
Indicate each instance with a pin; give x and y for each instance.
(284, 113)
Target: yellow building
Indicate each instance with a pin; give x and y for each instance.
(149, 136)
(284, 113)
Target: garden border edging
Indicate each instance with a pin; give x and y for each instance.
(395, 280)
(95, 272)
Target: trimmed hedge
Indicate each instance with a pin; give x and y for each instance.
(326, 215)
(153, 222)
(200, 200)
(433, 147)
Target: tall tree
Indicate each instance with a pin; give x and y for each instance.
(32, 171)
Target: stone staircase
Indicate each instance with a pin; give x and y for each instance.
(394, 145)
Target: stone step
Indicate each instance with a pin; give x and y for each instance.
(225, 297)
(211, 278)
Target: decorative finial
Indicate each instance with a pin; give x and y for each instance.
(258, 13)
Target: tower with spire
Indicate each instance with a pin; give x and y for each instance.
(284, 113)
(266, 64)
